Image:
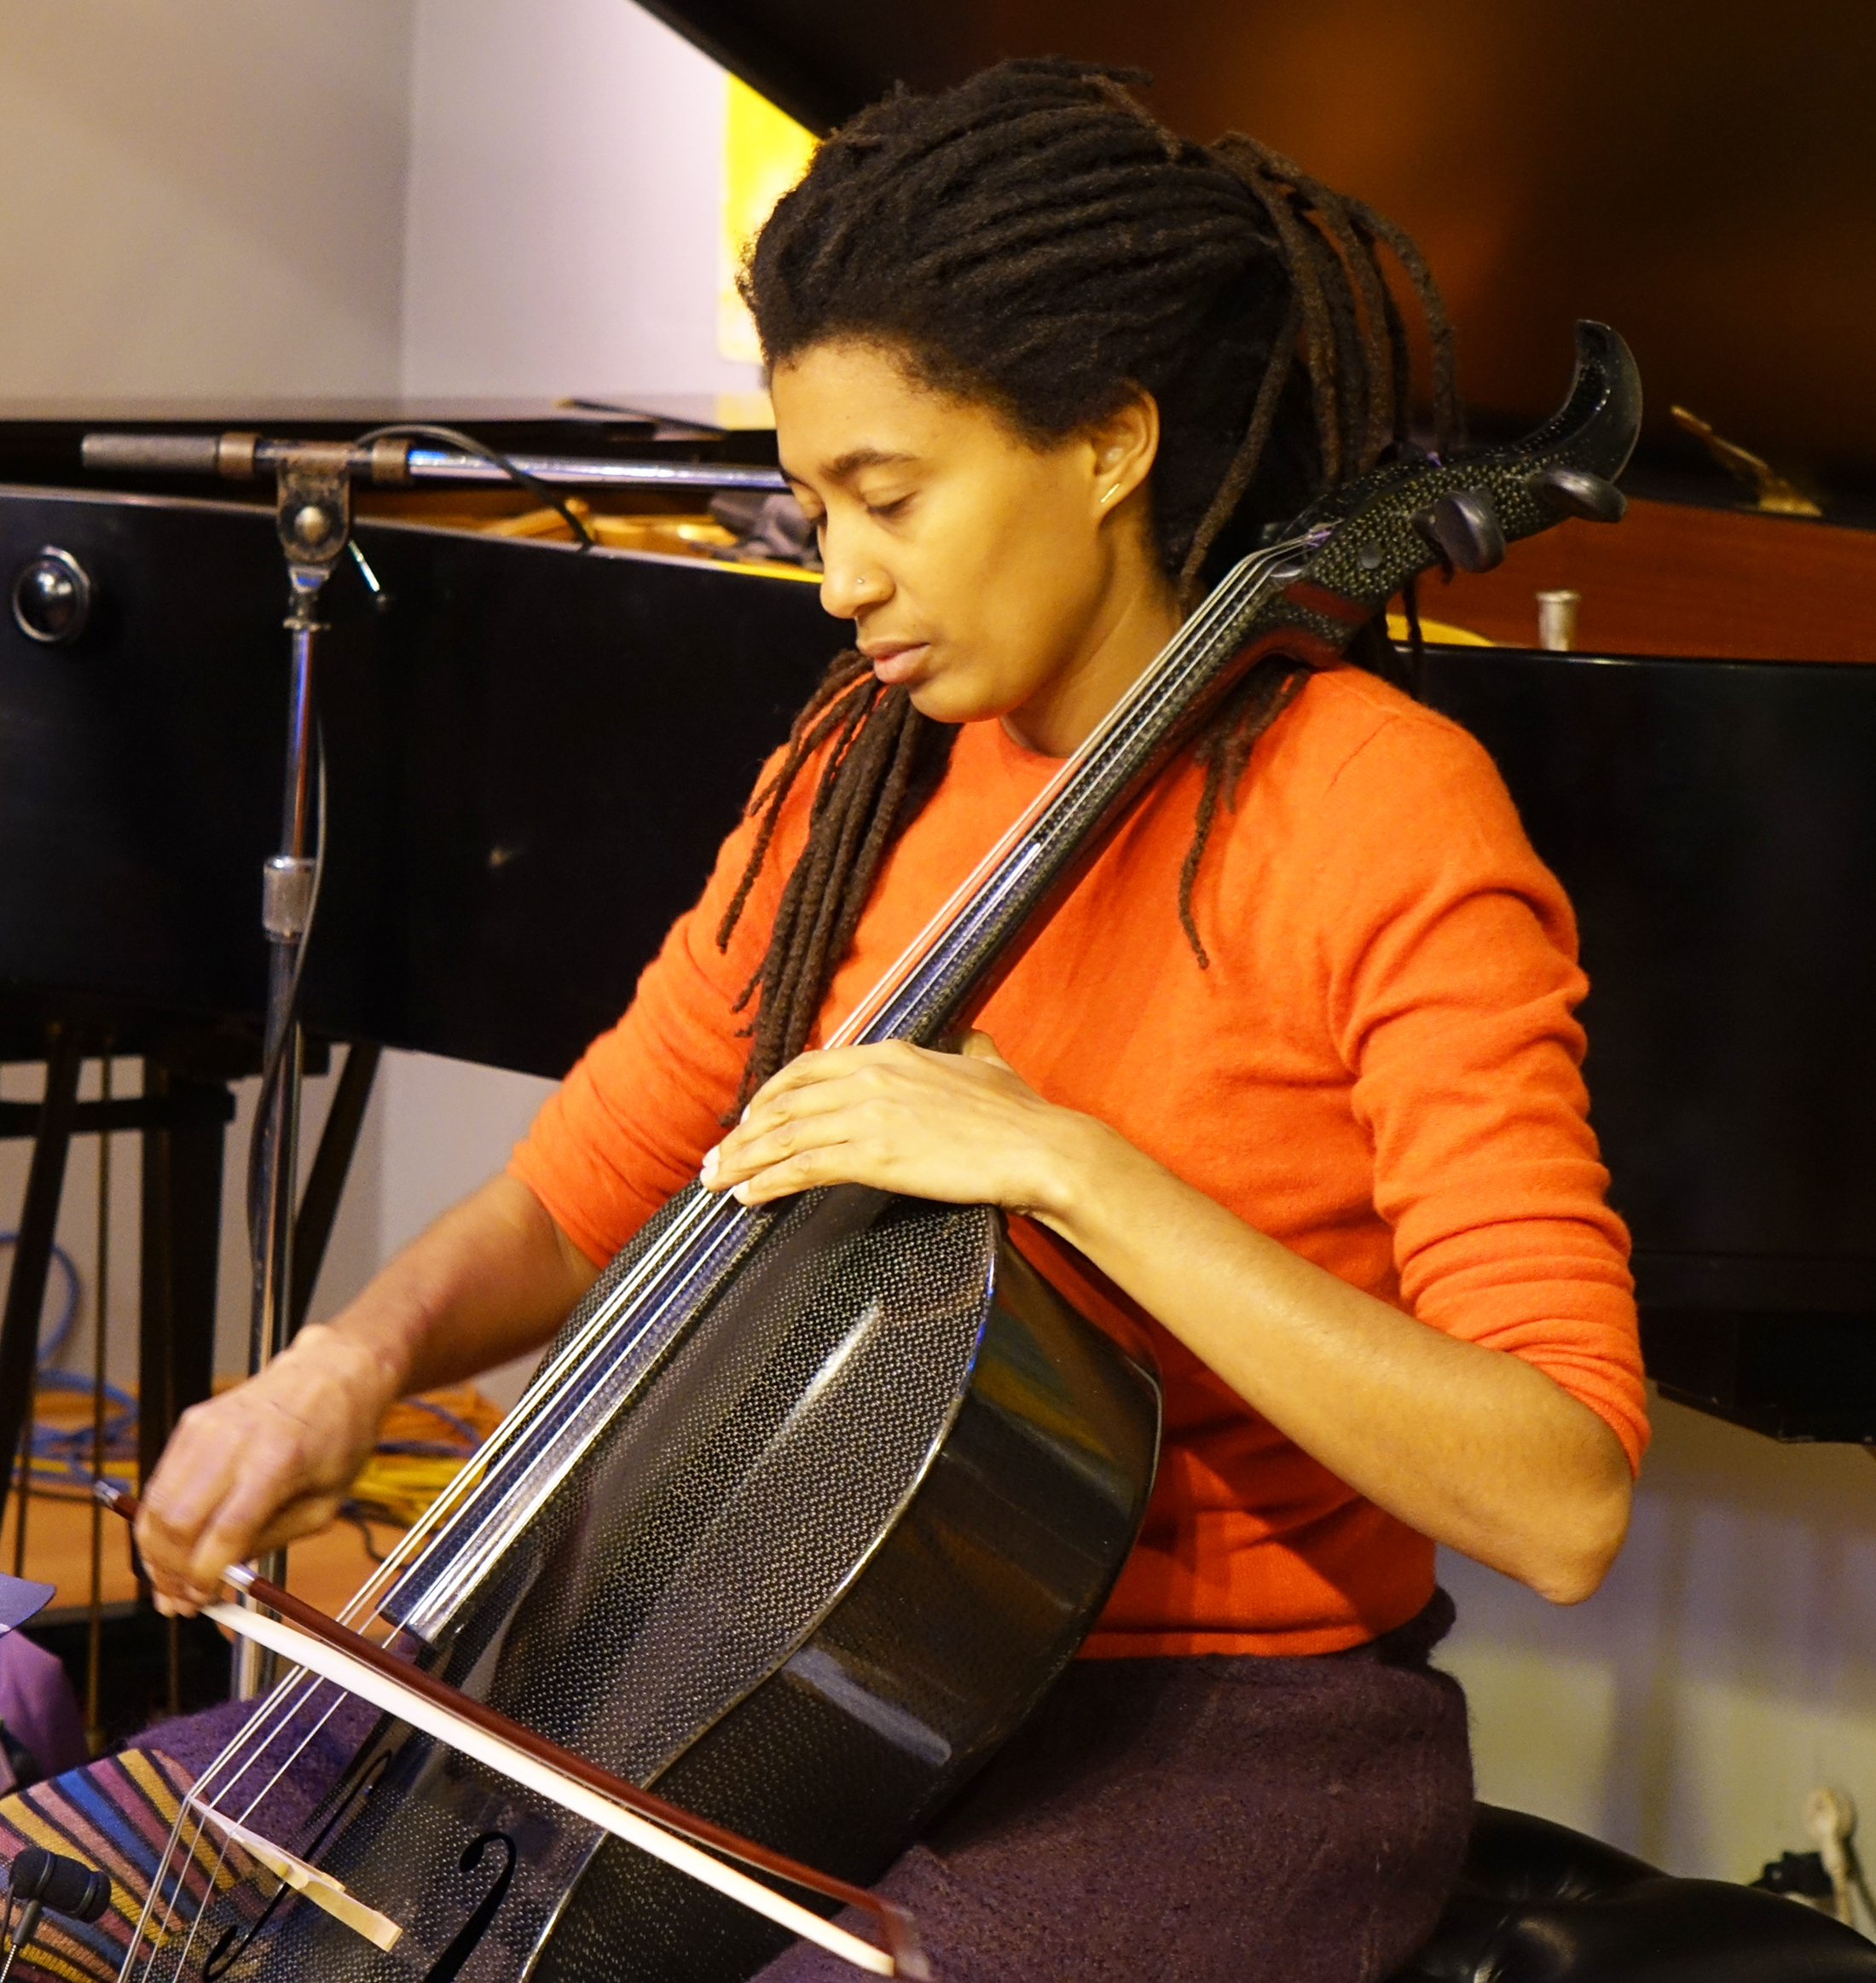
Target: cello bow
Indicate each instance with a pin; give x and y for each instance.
(350, 1660)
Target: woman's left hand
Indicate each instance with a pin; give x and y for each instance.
(1469, 1445)
(962, 1128)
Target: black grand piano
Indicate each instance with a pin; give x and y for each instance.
(531, 750)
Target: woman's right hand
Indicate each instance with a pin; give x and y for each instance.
(268, 1461)
(273, 1458)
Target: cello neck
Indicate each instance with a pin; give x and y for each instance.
(1344, 559)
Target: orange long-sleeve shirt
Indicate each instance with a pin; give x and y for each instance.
(1379, 1068)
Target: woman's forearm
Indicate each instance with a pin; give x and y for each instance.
(492, 1279)
(1469, 1445)
(271, 1459)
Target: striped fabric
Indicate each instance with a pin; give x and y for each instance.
(115, 1814)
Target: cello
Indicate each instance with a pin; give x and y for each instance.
(806, 1504)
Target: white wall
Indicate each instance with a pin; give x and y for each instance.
(445, 1127)
(1727, 1665)
(236, 197)
(561, 236)
(565, 203)
(78, 1219)
(202, 196)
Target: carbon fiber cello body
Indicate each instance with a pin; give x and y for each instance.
(807, 1507)
(853, 1523)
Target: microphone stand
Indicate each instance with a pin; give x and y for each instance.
(313, 518)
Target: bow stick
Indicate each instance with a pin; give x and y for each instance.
(308, 1639)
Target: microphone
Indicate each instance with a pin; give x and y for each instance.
(67, 1887)
(44, 1879)
(395, 461)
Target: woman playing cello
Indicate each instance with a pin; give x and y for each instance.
(1290, 1081)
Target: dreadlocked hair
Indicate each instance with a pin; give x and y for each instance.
(1033, 240)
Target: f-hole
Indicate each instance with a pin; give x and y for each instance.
(472, 1930)
(234, 1939)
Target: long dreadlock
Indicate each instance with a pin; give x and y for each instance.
(1035, 241)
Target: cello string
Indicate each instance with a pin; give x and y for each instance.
(239, 1757)
(149, 1899)
(197, 1799)
(162, 1874)
(1223, 601)
(1192, 635)
(493, 1482)
(211, 1875)
(483, 1531)
(211, 1806)
(233, 1764)
(597, 1349)
(1232, 593)
(484, 1474)
(192, 1856)
(254, 1739)
(227, 1839)
(242, 1753)
(178, 1884)
(282, 1710)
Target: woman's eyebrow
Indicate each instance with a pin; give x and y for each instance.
(844, 467)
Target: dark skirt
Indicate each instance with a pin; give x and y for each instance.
(1200, 1820)
(1203, 1820)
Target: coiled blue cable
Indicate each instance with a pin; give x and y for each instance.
(69, 1449)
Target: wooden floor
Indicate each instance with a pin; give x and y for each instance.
(325, 1569)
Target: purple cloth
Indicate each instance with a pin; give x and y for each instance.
(38, 1710)
(1201, 1820)
(195, 1740)
(301, 1761)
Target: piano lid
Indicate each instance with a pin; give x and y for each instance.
(1699, 173)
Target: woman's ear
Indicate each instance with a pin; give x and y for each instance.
(1123, 445)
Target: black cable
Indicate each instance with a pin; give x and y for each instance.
(351, 1513)
(454, 438)
(1417, 639)
(273, 1066)
(14, 1947)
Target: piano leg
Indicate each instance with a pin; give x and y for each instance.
(182, 1242)
(32, 1254)
(182, 1232)
(326, 1183)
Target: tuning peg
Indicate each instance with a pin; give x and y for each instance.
(1464, 529)
(1577, 492)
